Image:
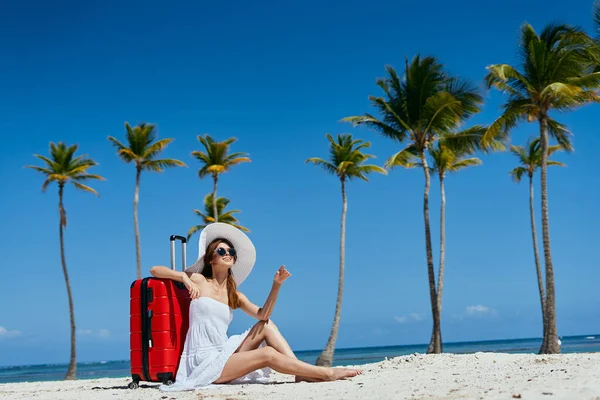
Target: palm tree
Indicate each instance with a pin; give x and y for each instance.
(556, 74)
(443, 160)
(208, 216)
(62, 167)
(142, 150)
(530, 160)
(420, 108)
(446, 161)
(216, 161)
(346, 162)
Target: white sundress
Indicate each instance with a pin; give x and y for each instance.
(207, 347)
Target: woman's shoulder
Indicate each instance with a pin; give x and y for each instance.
(197, 278)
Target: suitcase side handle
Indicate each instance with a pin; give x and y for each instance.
(183, 240)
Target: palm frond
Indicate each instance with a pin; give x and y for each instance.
(555, 72)
(518, 173)
(194, 229)
(85, 177)
(230, 161)
(561, 134)
(215, 158)
(442, 112)
(363, 170)
(378, 126)
(408, 157)
(160, 165)
(332, 169)
(514, 111)
(388, 109)
(116, 143)
(52, 164)
(471, 140)
(84, 188)
(45, 171)
(530, 157)
(155, 148)
(127, 155)
(346, 160)
(47, 182)
(589, 81)
(142, 147)
(208, 214)
(62, 167)
(201, 156)
(464, 163)
(504, 75)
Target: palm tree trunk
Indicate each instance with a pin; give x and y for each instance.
(136, 197)
(552, 346)
(326, 357)
(436, 343)
(216, 215)
(72, 370)
(440, 285)
(537, 263)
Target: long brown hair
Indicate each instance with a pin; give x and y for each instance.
(207, 271)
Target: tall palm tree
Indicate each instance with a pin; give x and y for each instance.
(62, 167)
(443, 160)
(556, 74)
(142, 150)
(208, 216)
(419, 109)
(215, 161)
(530, 159)
(346, 162)
(446, 161)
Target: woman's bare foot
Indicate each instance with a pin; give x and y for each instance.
(343, 373)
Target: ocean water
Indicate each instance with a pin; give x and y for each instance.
(353, 356)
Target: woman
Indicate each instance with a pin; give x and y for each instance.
(226, 257)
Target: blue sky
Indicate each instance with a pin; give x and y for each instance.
(277, 76)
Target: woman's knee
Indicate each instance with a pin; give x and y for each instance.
(268, 355)
(271, 325)
(265, 326)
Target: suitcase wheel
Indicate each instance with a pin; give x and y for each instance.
(133, 385)
(168, 382)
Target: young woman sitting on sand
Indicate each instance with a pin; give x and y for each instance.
(226, 257)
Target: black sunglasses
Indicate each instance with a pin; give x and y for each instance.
(221, 251)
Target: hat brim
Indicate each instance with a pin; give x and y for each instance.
(246, 253)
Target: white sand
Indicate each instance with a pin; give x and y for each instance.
(445, 376)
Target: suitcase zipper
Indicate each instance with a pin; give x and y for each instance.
(145, 326)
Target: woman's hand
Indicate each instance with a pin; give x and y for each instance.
(191, 286)
(281, 275)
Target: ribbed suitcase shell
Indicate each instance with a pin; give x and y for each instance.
(158, 325)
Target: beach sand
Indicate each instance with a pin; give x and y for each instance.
(418, 376)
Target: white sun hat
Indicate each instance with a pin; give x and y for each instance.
(246, 253)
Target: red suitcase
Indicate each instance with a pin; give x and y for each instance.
(159, 310)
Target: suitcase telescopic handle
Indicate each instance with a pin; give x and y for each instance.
(183, 240)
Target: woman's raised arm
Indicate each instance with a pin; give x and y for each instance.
(264, 313)
(162, 272)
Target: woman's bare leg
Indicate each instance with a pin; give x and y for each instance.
(267, 331)
(242, 363)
